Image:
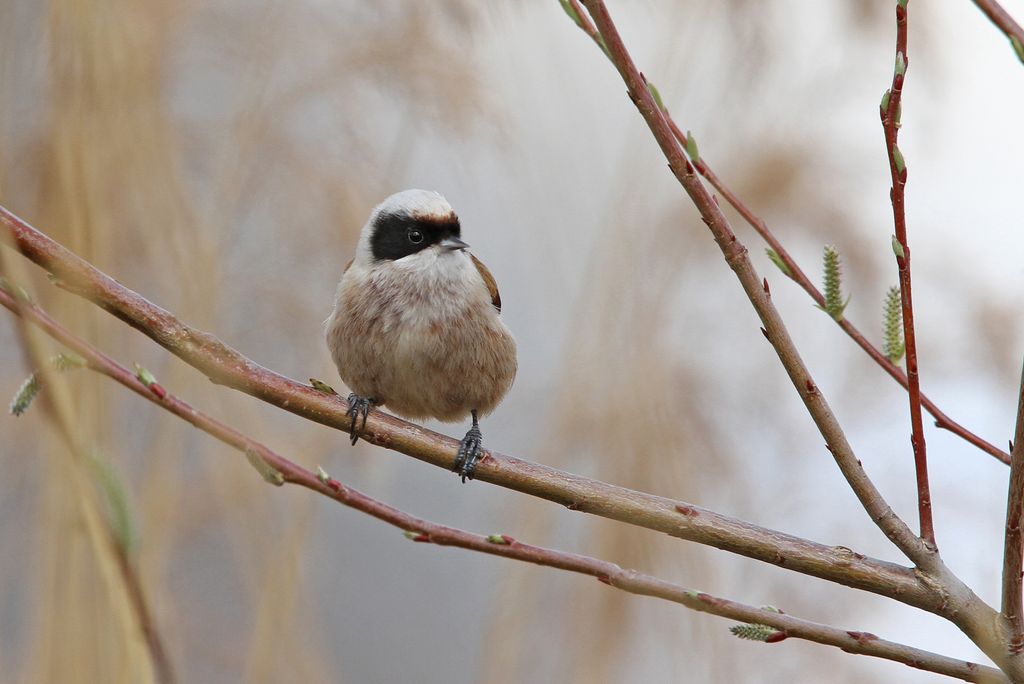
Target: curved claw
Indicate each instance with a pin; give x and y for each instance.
(470, 451)
(357, 406)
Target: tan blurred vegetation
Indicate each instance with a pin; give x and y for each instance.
(221, 158)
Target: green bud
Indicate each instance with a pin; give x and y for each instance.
(897, 248)
(691, 147)
(1018, 47)
(144, 376)
(321, 386)
(571, 11)
(656, 95)
(778, 261)
(897, 157)
(266, 471)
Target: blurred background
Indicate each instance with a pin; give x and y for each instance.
(221, 157)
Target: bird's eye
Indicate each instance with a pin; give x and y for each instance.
(415, 237)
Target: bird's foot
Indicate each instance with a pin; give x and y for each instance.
(357, 406)
(470, 451)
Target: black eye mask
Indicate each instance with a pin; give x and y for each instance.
(399, 235)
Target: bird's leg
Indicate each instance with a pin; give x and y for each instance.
(469, 451)
(358, 406)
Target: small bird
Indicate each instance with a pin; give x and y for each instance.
(416, 324)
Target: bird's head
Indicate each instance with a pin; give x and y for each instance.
(406, 224)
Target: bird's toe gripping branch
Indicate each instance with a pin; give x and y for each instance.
(357, 406)
(470, 451)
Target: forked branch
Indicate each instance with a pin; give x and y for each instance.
(279, 470)
(226, 366)
(792, 268)
(775, 330)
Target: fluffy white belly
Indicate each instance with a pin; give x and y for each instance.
(424, 341)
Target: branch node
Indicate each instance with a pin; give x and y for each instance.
(500, 539)
(415, 536)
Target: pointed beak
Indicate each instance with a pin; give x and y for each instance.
(452, 243)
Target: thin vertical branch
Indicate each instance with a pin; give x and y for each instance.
(1013, 553)
(796, 274)
(163, 668)
(279, 470)
(736, 256)
(890, 112)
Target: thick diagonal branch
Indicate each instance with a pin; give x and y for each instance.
(775, 330)
(971, 614)
(273, 466)
(795, 273)
(226, 366)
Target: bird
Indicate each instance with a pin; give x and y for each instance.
(416, 325)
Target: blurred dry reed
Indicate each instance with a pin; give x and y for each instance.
(208, 156)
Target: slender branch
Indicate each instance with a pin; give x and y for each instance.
(775, 330)
(162, 666)
(796, 274)
(56, 412)
(226, 366)
(890, 112)
(1001, 18)
(280, 470)
(1013, 560)
(974, 618)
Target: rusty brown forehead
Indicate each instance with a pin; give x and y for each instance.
(446, 224)
(399, 234)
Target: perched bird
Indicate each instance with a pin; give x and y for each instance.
(416, 323)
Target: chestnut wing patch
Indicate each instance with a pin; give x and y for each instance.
(492, 287)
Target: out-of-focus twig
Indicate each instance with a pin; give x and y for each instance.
(280, 470)
(797, 275)
(736, 257)
(226, 366)
(971, 614)
(793, 270)
(1001, 18)
(1013, 547)
(890, 110)
(114, 543)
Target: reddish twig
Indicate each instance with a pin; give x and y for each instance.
(226, 366)
(775, 329)
(942, 421)
(162, 666)
(279, 470)
(1001, 18)
(890, 113)
(797, 275)
(1013, 561)
(163, 669)
(971, 616)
